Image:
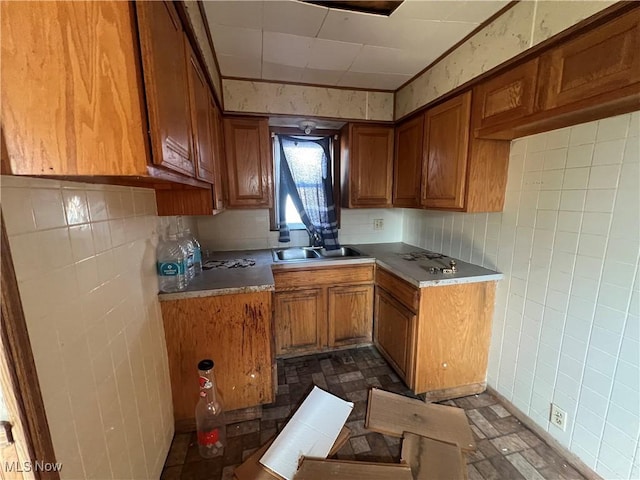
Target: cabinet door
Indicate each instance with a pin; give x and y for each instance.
(407, 168)
(235, 331)
(507, 97)
(300, 321)
(219, 188)
(394, 333)
(453, 336)
(248, 162)
(201, 126)
(371, 166)
(602, 61)
(350, 315)
(446, 142)
(71, 103)
(165, 79)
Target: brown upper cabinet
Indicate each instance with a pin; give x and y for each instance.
(103, 84)
(71, 101)
(367, 165)
(508, 96)
(446, 143)
(165, 78)
(201, 118)
(407, 167)
(590, 75)
(248, 162)
(440, 165)
(604, 61)
(219, 185)
(206, 127)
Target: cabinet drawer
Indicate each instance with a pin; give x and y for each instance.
(398, 288)
(298, 279)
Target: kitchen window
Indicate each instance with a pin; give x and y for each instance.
(305, 189)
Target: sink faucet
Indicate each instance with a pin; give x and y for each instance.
(315, 240)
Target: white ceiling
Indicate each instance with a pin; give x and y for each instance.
(287, 40)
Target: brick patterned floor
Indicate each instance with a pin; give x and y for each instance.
(506, 448)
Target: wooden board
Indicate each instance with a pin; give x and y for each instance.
(343, 437)
(251, 469)
(393, 414)
(313, 469)
(431, 459)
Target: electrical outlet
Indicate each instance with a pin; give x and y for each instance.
(558, 417)
(378, 224)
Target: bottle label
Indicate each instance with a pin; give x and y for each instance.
(170, 269)
(209, 438)
(205, 383)
(197, 255)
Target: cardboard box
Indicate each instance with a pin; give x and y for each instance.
(435, 439)
(252, 469)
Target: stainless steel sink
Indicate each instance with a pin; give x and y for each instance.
(340, 252)
(309, 253)
(294, 254)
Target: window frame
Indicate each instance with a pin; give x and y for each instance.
(335, 172)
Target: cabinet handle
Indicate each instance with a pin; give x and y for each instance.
(444, 365)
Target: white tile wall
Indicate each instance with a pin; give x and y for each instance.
(84, 257)
(249, 229)
(567, 313)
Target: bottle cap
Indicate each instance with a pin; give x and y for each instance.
(205, 365)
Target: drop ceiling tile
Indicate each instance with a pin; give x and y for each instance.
(387, 60)
(409, 33)
(242, 67)
(237, 41)
(322, 77)
(283, 73)
(293, 17)
(383, 81)
(426, 10)
(286, 49)
(332, 55)
(359, 28)
(476, 11)
(247, 14)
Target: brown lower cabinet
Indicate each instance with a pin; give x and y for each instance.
(436, 338)
(321, 308)
(235, 331)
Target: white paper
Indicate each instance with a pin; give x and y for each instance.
(311, 432)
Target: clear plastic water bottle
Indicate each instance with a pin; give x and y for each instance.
(187, 246)
(210, 422)
(171, 262)
(197, 251)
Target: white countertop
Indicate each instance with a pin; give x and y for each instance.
(225, 281)
(391, 256)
